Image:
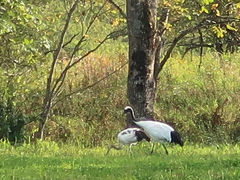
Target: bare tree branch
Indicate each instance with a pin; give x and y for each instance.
(201, 47)
(48, 95)
(163, 21)
(57, 87)
(195, 46)
(61, 78)
(203, 23)
(64, 45)
(160, 43)
(70, 40)
(81, 90)
(174, 43)
(118, 8)
(76, 48)
(63, 74)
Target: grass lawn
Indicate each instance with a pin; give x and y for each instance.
(46, 160)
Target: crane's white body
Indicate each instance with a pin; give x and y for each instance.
(128, 136)
(158, 131)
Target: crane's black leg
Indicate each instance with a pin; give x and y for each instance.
(114, 147)
(152, 148)
(165, 149)
(109, 148)
(130, 148)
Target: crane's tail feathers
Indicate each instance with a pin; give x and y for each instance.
(176, 138)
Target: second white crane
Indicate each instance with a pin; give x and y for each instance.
(129, 136)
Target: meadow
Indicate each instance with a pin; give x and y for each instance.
(49, 160)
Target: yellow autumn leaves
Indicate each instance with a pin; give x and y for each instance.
(220, 31)
(118, 21)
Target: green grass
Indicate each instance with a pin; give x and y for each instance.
(47, 160)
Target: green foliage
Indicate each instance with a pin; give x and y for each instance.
(15, 102)
(207, 2)
(24, 68)
(20, 35)
(92, 116)
(11, 122)
(202, 103)
(72, 162)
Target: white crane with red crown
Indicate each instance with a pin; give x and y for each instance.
(157, 131)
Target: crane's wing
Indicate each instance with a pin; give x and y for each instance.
(156, 130)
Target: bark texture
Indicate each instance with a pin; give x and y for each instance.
(144, 46)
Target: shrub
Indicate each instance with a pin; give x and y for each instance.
(11, 122)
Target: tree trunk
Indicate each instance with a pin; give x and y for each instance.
(44, 117)
(41, 127)
(144, 43)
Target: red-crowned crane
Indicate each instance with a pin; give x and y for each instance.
(129, 136)
(157, 131)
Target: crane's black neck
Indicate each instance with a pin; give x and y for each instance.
(133, 115)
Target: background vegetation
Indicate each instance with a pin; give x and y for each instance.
(198, 93)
